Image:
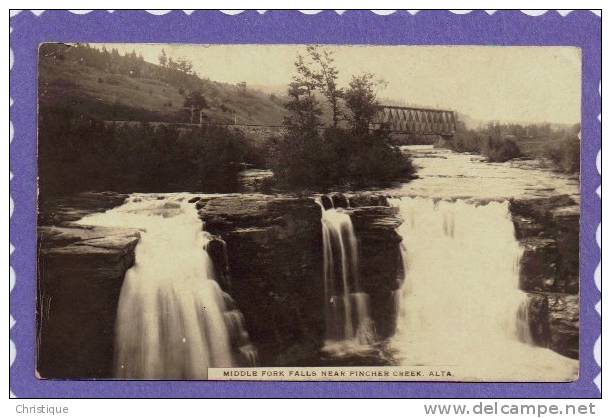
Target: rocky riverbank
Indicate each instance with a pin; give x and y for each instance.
(548, 230)
(269, 249)
(267, 253)
(80, 273)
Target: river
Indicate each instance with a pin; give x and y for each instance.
(444, 174)
(458, 305)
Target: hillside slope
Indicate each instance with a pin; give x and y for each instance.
(86, 89)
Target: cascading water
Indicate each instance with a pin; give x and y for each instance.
(172, 320)
(348, 323)
(459, 304)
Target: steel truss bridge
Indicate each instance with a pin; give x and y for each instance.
(414, 120)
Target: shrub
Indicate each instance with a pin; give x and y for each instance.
(500, 150)
(489, 144)
(565, 154)
(338, 158)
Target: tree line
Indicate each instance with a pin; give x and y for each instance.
(501, 142)
(83, 154)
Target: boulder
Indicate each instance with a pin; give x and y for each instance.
(80, 274)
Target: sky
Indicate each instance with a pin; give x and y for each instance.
(521, 84)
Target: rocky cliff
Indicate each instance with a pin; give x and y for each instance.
(80, 273)
(268, 254)
(380, 262)
(268, 257)
(548, 230)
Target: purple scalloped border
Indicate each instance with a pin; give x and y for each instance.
(28, 29)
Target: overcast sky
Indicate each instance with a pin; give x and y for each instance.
(529, 84)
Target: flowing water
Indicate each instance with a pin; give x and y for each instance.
(172, 321)
(349, 328)
(459, 303)
(445, 174)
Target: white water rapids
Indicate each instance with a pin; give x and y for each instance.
(172, 322)
(459, 304)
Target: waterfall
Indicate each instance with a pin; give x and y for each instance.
(172, 320)
(348, 323)
(459, 303)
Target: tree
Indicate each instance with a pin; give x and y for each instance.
(361, 102)
(196, 99)
(326, 79)
(304, 109)
(184, 65)
(172, 65)
(163, 58)
(196, 102)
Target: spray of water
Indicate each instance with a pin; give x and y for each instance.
(459, 304)
(172, 321)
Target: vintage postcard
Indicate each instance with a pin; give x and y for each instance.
(402, 208)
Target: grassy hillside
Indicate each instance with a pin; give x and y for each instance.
(84, 88)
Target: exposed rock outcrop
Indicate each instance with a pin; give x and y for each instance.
(367, 199)
(66, 209)
(564, 324)
(381, 267)
(80, 274)
(554, 322)
(275, 262)
(272, 246)
(548, 230)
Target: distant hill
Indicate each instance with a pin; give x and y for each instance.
(104, 85)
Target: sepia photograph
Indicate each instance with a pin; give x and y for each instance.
(308, 212)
